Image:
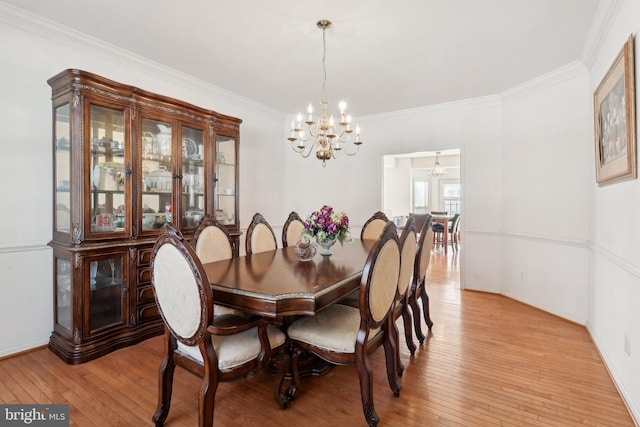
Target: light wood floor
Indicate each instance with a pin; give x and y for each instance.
(489, 361)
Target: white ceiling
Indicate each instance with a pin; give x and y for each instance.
(381, 55)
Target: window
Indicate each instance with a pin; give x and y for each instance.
(450, 195)
(420, 191)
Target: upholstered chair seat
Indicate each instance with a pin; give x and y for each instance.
(335, 329)
(235, 350)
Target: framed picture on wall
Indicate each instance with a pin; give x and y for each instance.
(614, 119)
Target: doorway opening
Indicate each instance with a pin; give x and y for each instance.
(410, 186)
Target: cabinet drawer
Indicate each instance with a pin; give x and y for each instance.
(147, 313)
(144, 256)
(144, 275)
(145, 295)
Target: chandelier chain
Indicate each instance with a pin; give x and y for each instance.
(324, 63)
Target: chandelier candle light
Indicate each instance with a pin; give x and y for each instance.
(325, 136)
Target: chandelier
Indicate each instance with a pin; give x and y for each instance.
(437, 169)
(326, 136)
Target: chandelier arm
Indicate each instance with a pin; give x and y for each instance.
(354, 153)
(304, 151)
(311, 134)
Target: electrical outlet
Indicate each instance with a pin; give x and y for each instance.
(627, 345)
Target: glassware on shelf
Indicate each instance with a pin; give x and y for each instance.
(112, 265)
(93, 270)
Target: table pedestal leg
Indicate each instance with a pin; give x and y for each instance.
(286, 364)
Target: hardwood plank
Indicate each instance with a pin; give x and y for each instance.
(489, 361)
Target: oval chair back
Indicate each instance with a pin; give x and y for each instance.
(260, 236)
(372, 229)
(211, 241)
(292, 229)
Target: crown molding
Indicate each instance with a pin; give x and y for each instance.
(45, 28)
(545, 81)
(605, 16)
(470, 104)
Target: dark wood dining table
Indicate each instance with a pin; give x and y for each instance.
(275, 284)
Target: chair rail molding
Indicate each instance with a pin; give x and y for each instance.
(615, 259)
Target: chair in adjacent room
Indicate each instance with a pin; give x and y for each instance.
(374, 226)
(192, 339)
(438, 229)
(346, 335)
(293, 226)
(260, 236)
(212, 242)
(454, 232)
(419, 280)
(408, 248)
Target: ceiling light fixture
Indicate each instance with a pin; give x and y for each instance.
(437, 169)
(326, 136)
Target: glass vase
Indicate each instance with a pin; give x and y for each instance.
(326, 245)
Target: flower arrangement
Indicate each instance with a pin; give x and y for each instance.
(327, 224)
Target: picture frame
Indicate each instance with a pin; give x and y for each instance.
(614, 120)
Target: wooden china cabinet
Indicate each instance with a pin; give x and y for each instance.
(125, 162)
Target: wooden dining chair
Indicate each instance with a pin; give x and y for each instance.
(454, 232)
(192, 339)
(212, 242)
(420, 219)
(346, 335)
(438, 229)
(374, 226)
(293, 227)
(260, 236)
(419, 280)
(371, 230)
(408, 250)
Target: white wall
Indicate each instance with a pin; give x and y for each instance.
(397, 175)
(614, 256)
(547, 158)
(31, 52)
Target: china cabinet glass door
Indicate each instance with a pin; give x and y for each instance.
(107, 291)
(62, 170)
(107, 164)
(225, 189)
(193, 202)
(63, 293)
(156, 174)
